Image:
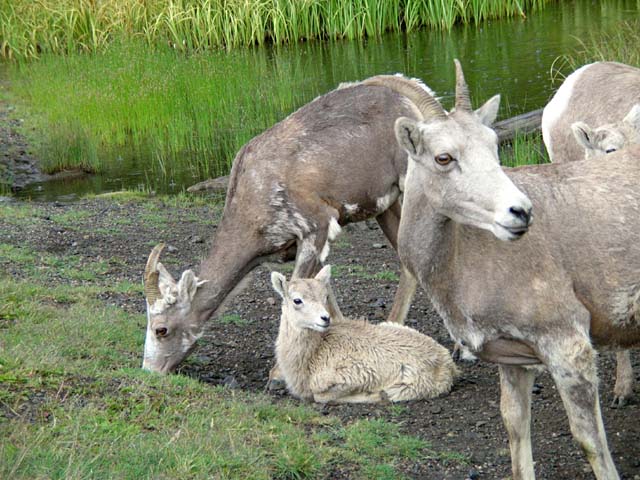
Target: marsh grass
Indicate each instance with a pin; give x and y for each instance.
(620, 45)
(30, 28)
(75, 404)
(524, 149)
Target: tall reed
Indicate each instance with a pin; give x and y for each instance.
(29, 28)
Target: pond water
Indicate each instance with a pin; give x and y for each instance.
(512, 57)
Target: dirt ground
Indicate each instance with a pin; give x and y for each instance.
(239, 352)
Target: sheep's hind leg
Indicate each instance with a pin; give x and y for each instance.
(623, 388)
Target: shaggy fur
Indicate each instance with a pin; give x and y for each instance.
(342, 360)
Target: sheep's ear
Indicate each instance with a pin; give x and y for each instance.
(166, 284)
(409, 136)
(188, 285)
(279, 283)
(324, 275)
(488, 112)
(633, 117)
(583, 134)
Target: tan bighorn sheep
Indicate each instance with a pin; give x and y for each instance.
(599, 94)
(341, 360)
(539, 302)
(332, 162)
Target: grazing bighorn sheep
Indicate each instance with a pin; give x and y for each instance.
(332, 162)
(341, 360)
(600, 94)
(572, 280)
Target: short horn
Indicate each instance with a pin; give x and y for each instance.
(463, 101)
(428, 106)
(151, 275)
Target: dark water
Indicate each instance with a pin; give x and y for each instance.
(512, 57)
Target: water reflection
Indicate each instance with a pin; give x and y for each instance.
(512, 57)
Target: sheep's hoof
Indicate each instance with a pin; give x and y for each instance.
(275, 384)
(619, 401)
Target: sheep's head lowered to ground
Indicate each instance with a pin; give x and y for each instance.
(610, 137)
(172, 327)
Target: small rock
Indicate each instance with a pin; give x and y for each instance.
(230, 382)
(271, 300)
(473, 474)
(436, 409)
(378, 245)
(196, 239)
(480, 423)
(171, 249)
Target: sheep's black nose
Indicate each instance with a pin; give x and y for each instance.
(326, 319)
(521, 214)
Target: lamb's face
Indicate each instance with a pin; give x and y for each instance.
(305, 301)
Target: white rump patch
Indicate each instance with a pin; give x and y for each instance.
(557, 106)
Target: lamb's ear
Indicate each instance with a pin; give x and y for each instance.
(409, 136)
(633, 117)
(188, 285)
(583, 134)
(279, 283)
(324, 275)
(488, 112)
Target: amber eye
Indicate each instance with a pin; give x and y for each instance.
(443, 159)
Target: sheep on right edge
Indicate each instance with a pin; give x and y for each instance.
(352, 361)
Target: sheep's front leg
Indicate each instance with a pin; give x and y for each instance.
(572, 366)
(515, 405)
(624, 379)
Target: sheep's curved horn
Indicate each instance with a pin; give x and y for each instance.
(426, 103)
(463, 101)
(151, 275)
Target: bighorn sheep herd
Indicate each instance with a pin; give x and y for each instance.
(524, 294)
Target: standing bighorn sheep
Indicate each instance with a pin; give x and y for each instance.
(325, 359)
(572, 280)
(332, 162)
(601, 94)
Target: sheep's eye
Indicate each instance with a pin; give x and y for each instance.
(443, 159)
(610, 150)
(297, 301)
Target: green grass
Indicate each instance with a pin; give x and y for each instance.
(28, 29)
(524, 149)
(619, 46)
(75, 404)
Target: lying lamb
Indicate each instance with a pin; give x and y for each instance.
(352, 360)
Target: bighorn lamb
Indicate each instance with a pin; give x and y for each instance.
(539, 302)
(601, 94)
(341, 360)
(333, 161)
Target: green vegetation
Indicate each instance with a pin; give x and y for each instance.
(619, 46)
(28, 28)
(524, 149)
(75, 404)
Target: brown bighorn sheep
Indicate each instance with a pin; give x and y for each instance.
(332, 162)
(341, 360)
(540, 301)
(599, 93)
